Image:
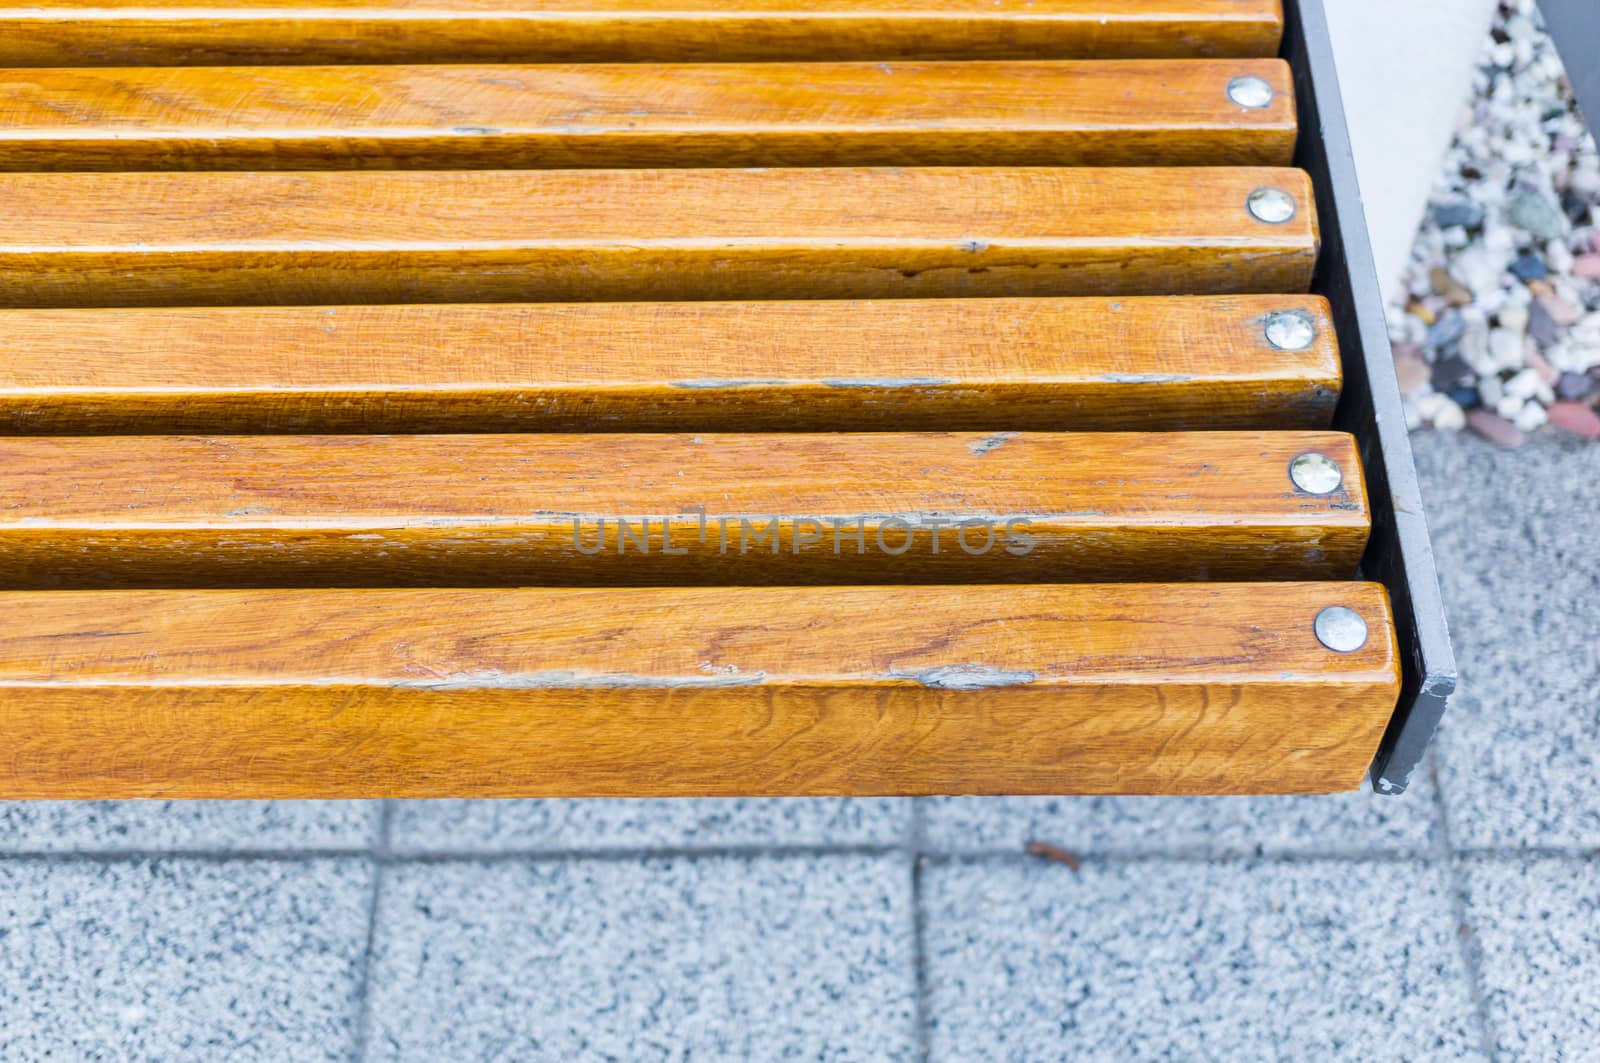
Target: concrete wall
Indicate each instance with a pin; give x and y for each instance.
(1406, 69)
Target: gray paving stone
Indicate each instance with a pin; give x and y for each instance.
(807, 958)
(181, 959)
(1190, 961)
(456, 826)
(1344, 823)
(185, 826)
(1516, 535)
(1535, 924)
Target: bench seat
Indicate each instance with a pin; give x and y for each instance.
(489, 398)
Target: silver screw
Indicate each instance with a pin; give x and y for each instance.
(1271, 205)
(1316, 474)
(1250, 91)
(1341, 630)
(1290, 330)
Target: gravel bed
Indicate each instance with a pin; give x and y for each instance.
(1499, 328)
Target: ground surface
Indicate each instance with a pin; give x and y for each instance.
(1498, 329)
(1461, 921)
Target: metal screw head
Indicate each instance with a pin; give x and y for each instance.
(1316, 473)
(1250, 91)
(1290, 330)
(1271, 205)
(1341, 630)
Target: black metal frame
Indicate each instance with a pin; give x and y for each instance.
(1400, 555)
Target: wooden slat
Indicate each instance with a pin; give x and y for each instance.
(167, 32)
(801, 508)
(952, 364)
(209, 238)
(717, 114)
(1136, 688)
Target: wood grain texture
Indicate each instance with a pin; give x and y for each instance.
(594, 235)
(1139, 113)
(897, 364)
(778, 508)
(185, 32)
(1137, 688)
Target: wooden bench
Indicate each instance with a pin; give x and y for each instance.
(579, 398)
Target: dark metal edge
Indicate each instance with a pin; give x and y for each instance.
(1575, 27)
(1400, 554)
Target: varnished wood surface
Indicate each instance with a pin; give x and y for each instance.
(778, 508)
(897, 364)
(1147, 113)
(118, 239)
(1140, 688)
(168, 32)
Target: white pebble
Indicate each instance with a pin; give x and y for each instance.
(1477, 270)
(1518, 152)
(1514, 317)
(1558, 256)
(1505, 349)
(1474, 348)
(1492, 300)
(1531, 417)
(1584, 342)
(1413, 417)
(1490, 390)
(1442, 412)
(1525, 385)
(1560, 355)
(1449, 418)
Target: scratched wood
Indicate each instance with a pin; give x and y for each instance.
(714, 114)
(785, 508)
(1136, 688)
(171, 32)
(118, 239)
(901, 364)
